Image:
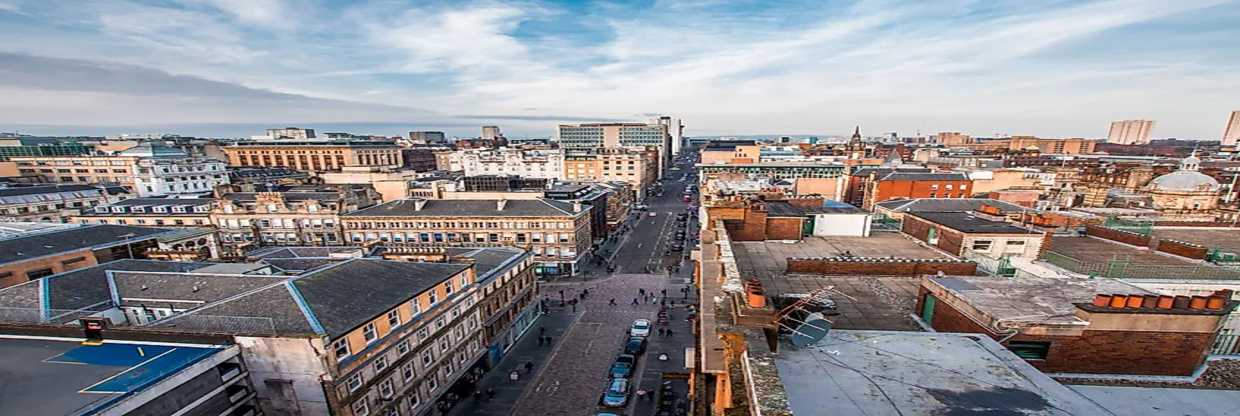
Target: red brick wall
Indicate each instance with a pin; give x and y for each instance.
(1097, 352)
(806, 202)
(783, 228)
(1183, 249)
(879, 267)
(949, 240)
(1117, 235)
(752, 228)
(894, 189)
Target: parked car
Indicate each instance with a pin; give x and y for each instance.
(653, 214)
(678, 247)
(635, 346)
(617, 394)
(640, 328)
(623, 367)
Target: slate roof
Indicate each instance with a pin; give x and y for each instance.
(881, 171)
(86, 286)
(285, 252)
(332, 293)
(199, 287)
(45, 189)
(784, 209)
(948, 205)
(288, 196)
(968, 223)
(900, 175)
(301, 264)
(476, 207)
(490, 259)
(87, 236)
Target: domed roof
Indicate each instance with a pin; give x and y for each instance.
(1184, 181)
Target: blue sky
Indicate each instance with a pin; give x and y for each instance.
(229, 67)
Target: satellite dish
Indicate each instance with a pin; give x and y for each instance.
(813, 328)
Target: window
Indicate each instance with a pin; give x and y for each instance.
(413, 397)
(447, 287)
(354, 382)
(360, 408)
(981, 245)
(444, 344)
(403, 347)
(342, 349)
(393, 318)
(413, 305)
(1030, 350)
(406, 371)
(369, 332)
(385, 388)
(380, 363)
(423, 333)
(432, 298)
(432, 383)
(428, 357)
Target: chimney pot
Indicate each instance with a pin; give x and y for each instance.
(1101, 300)
(1215, 303)
(1166, 302)
(1134, 301)
(1118, 300)
(1151, 302)
(1181, 302)
(1198, 302)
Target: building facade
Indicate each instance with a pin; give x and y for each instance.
(911, 185)
(1231, 133)
(298, 216)
(557, 232)
(1130, 132)
(591, 136)
(146, 169)
(55, 203)
(638, 168)
(157, 212)
(546, 164)
(314, 155)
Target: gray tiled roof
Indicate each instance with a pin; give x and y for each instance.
(86, 286)
(333, 293)
(200, 287)
(473, 207)
(301, 264)
(948, 205)
(45, 189)
(54, 242)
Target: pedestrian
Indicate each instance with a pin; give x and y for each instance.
(634, 301)
(660, 331)
(612, 302)
(641, 291)
(490, 393)
(664, 292)
(514, 376)
(542, 330)
(540, 340)
(561, 295)
(669, 332)
(574, 306)
(548, 340)
(529, 366)
(478, 395)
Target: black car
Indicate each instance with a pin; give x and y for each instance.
(635, 346)
(678, 248)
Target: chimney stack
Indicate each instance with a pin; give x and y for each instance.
(577, 206)
(499, 204)
(418, 204)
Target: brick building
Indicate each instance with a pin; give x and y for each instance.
(55, 203)
(901, 184)
(314, 156)
(1095, 326)
(41, 254)
(290, 216)
(961, 233)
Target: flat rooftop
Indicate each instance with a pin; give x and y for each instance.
(1096, 256)
(972, 224)
(61, 377)
(1150, 401)
(1031, 300)
(877, 302)
(884, 373)
(1225, 239)
(1097, 250)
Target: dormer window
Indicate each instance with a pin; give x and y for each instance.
(160, 208)
(201, 208)
(118, 209)
(137, 208)
(101, 210)
(178, 208)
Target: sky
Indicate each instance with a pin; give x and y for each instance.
(230, 68)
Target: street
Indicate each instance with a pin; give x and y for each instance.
(570, 375)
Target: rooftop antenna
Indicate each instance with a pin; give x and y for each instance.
(808, 326)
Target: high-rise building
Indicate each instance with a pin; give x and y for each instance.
(1231, 134)
(592, 136)
(1130, 132)
(675, 132)
(491, 132)
(427, 136)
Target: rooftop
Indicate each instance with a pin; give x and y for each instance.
(948, 205)
(785, 209)
(63, 240)
(475, 207)
(1224, 239)
(881, 373)
(900, 175)
(84, 287)
(61, 377)
(972, 224)
(1031, 300)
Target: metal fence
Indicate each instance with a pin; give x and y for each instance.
(999, 267)
(1121, 267)
(1227, 343)
(1132, 225)
(881, 222)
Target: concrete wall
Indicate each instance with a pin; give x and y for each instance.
(948, 240)
(285, 372)
(866, 266)
(853, 225)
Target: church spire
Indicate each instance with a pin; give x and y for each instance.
(857, 133)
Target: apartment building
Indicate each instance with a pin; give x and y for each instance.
(357, 337)
(638, 168)
(159, 212)
(147, 169)
(42, 146)
(591, 136)
(557, 232)
(722, 152)
(37, 254)
(909, 185)
(546, 164)
(304, 215)
(315, 156)
(1130, 132)
(55, 203)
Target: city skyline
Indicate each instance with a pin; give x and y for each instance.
(1058, 70)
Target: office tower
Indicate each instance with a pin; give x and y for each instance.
(1231, 135)
(1130, 132)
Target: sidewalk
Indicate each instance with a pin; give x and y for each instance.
(526, 350)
